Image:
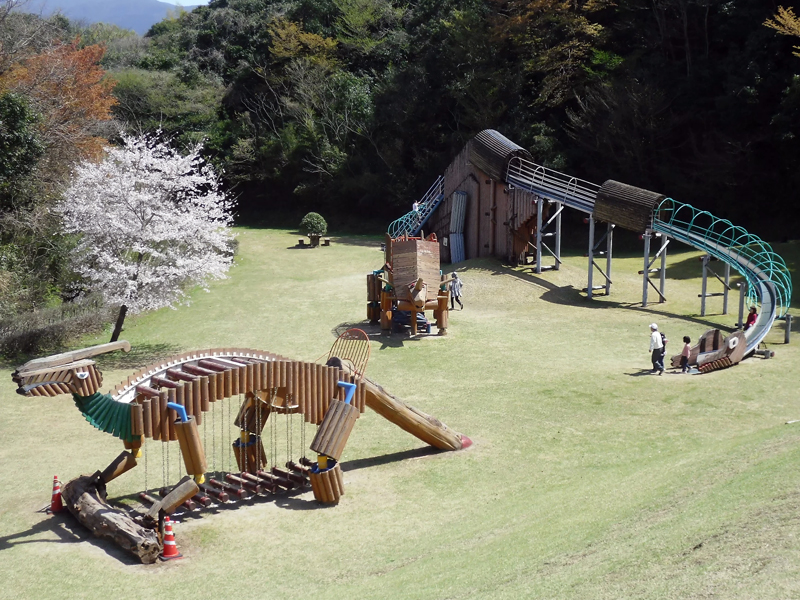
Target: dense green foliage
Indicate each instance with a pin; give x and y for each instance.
(359, 104)
(353, 107)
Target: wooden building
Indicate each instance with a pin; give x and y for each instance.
(480, 214)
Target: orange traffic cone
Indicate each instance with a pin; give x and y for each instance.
(170, 548)
(55, 501)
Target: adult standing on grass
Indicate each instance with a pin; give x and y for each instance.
(656, 349)
(455, 292)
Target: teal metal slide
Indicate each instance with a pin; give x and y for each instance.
(768, 280)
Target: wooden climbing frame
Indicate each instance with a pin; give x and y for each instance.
(352, 346)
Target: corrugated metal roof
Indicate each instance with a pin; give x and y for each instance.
(625, 205)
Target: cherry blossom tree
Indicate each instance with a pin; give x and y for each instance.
(151, 224)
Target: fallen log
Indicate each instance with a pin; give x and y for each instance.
(85, 497)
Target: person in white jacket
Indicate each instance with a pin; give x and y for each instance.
(656, 349)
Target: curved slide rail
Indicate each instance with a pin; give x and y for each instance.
(768, 279)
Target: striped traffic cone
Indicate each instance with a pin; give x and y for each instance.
(170, 548)
(55, 500)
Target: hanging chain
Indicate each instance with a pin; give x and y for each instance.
(243, 446)
(214, 436)
(288, 419)
(303, 436)
(230, 437)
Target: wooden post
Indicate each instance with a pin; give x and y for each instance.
(163, 416)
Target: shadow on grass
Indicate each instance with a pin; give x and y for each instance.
(67, 530)
(641, 373)
(375, 334)
(385, 459)
(140, 356)
(574, 297)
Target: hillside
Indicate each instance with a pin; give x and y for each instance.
(138, 15)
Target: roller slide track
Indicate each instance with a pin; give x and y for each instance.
(768, 280)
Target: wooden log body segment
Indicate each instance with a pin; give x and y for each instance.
(335, 429)
(328, 485)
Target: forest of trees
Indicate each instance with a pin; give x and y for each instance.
(355, 106)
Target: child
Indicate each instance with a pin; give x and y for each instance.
(455, 292)
(687, 350)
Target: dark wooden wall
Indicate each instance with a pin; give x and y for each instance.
(498, 220)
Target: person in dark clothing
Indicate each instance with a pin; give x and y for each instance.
(455, 292)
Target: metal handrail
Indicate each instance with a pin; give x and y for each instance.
(554, 185)
(411, 222)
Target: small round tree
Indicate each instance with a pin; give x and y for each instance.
(314, 226)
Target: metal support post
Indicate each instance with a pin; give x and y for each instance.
(740, 323)
(727, 287)
(663, 275)
(609, 242)
(646, 275)
(705, 286)
(591, 256)
(539, 208)
(788, 332)
(559, 208)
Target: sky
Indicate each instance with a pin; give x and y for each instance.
(186, 3)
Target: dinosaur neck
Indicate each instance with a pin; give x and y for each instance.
(107, 415)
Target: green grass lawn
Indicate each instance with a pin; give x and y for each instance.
(587, 479)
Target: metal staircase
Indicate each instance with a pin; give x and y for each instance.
(411, 223)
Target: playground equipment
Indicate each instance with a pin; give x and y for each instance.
(409, 283)
(168, 400)
(713, 351)
(503, 196)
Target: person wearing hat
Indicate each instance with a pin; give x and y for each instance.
(656, 349)
(455, 291)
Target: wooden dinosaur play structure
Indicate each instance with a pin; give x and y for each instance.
(409, 283)
(167, 401)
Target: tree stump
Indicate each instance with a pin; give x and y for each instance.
(85, 497)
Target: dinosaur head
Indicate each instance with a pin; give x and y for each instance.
(71, 372)
(80, 377)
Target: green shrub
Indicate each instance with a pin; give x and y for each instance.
(51, 329)
(313, 224)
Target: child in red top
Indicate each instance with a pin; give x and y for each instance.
(751, 318)
(687, 350)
